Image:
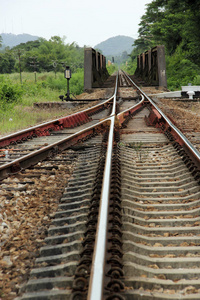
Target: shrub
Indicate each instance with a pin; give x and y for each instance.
(60, 82)
(111, 69)
(77, 82)
(196, 80)
(34, 89)
(180, 70)
(10, 92)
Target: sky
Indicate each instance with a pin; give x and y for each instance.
(85, 22)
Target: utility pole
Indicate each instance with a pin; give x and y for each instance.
(19, 53)
(55, 67)
(34, 64)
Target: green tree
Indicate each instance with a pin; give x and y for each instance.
(47, 53)
(176, 25)
(172, 23)
(7, 61)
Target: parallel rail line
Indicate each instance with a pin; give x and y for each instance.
(127, 225)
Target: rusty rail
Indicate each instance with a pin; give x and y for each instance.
(166, 124)
(96, 284)
(96, 289)
(43, 129)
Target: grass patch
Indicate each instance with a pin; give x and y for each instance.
(22, 117)
(16, 99)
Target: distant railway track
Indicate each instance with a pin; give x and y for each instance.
(127, 225)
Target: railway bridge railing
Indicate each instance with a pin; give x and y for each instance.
(151, 66)
(95, 72)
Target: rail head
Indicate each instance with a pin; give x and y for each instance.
(96, 284)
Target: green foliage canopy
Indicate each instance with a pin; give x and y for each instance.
(171, 23)
(174, 24)
(7, 62)
(9, 92)
(47, 55)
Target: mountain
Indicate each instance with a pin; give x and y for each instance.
(11, 40)
(116, 45)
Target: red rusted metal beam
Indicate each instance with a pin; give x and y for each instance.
(70, 121)
(45, 129)
(41, 154)
(130, 111)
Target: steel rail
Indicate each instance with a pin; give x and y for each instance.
(50, 124)
(36, 127)
(194, 151)
(41, 154)
(96, 283)
(123, 114)
(115, 96)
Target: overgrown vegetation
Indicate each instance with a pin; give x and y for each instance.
(9, 92)
(176, 25)
(34, 72)
(112, 68)
(16, 100)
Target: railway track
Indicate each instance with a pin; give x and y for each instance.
(186, 116)
(127, 224)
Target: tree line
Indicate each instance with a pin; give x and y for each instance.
(41, 55)
(174, 24)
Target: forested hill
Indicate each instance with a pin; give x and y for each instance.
(116, 45)
(41, 56)
(12, 40)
